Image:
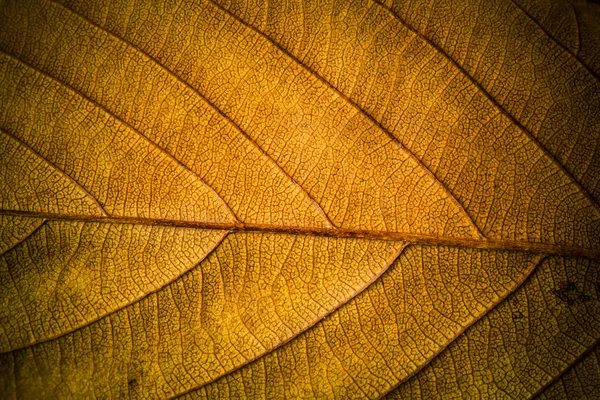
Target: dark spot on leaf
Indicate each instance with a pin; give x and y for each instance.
(517, 315)
(567, 292)
(567, 287)
(584, 298)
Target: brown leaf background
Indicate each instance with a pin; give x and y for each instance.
(299, 199)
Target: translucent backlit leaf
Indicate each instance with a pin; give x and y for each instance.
(299, 198)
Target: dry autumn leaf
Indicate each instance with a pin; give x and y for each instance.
(303, 199)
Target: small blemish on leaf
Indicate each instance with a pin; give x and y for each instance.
(567, 292)
(517, 315)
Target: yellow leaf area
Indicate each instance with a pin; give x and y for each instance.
(299, 199)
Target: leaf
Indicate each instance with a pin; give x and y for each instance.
(13, 230)
(309, 199)
(580, 381)
(394, 326)
(524, 343)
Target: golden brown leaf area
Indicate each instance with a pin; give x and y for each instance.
(299, 199)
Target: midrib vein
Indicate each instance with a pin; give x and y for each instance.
(414, 238)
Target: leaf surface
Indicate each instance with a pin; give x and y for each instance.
(580, 381)
(299, 199)
(388, 331)
(518, 348)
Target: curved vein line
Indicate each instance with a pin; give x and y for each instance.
(108, 314)
(525, 278)
(578, 29)
(366, 114)
(132, 128)
(504, 112)
(569, 368)
(372, 282)
(574, 55)
(60, 171)
(24, 238)
(415, 238)
(206, 100)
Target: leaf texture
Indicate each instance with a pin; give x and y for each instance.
(581, 381)
(70, 283)
(386, 332)
(254, 291)
(299, 199)
(13, 230)
(522, 345)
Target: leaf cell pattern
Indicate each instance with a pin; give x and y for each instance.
(299, 199)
